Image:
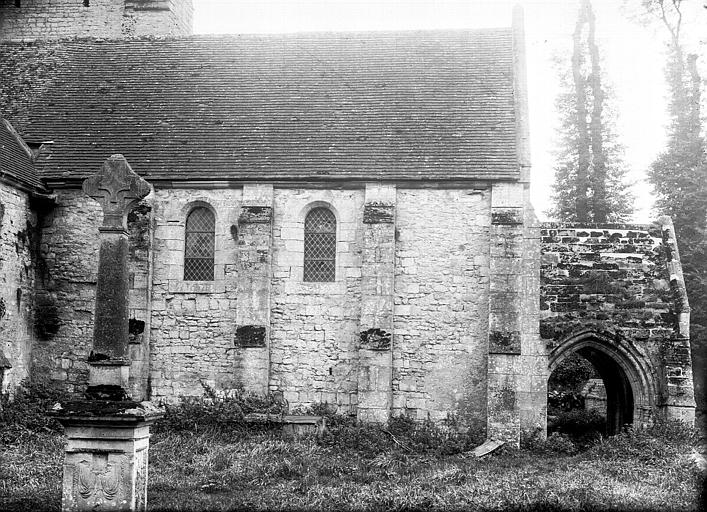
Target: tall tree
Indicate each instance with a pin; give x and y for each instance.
(679, 177)
(589, 173)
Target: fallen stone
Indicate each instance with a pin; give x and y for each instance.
(487, 447)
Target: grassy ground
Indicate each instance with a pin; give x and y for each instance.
(265, 471)
(203, 457)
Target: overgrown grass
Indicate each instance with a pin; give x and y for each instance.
(404, 466)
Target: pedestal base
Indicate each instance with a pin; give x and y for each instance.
(105, 462)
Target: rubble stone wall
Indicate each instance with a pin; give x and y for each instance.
(66, 289)
(67, 259)
(111, 19)
(315, 325)
(184, 334)
(193, 323)
(17, 236)
(623, 282)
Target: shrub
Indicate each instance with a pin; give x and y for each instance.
(401, 434)
(558, 401)
(27, 410)
(584, 428)
(650, 444)
(556, 443)
(571, 374)
(217, 411)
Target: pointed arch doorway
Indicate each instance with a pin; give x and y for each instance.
(623, 369)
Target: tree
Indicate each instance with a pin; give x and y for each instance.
(589, 172)
(679, 175)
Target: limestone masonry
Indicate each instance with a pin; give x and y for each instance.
(333, 218)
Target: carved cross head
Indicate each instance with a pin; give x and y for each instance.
(116, 187)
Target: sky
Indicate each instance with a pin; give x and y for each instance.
(633, 59)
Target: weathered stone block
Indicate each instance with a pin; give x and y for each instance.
(378, 213)
(255, 215)
(507, 216)
(251, 336)
(504, 342)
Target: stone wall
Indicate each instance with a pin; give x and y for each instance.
(624, 283)
(67, 258)
(441, 304)
(517, 360)
(17, 239)
(66, 286)
(112, 19)
(193, 324)
(426, 258)
(315, 325)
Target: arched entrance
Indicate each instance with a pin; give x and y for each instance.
(623, 370)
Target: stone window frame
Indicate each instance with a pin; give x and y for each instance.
(337, 258)
(205, 232)
(218, 284)
(304, 241)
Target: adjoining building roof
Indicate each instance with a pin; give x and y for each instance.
(15, 158)
(430, 105)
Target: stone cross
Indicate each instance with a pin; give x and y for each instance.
(108, 436)
(117, 188)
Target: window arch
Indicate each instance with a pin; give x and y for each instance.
(199, 245)
(320, 245)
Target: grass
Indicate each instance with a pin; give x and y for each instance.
(219, 464)
(266, 471)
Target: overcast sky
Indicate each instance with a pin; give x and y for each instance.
(634, 58)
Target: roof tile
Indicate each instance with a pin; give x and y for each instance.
(15, 159)
(402, 105)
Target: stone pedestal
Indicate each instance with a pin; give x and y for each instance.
(105, 463)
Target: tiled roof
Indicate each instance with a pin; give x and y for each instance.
(403, 105)
(15, 160)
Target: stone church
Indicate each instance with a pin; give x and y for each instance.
(336, 218)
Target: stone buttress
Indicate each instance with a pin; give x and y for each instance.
(252, 366)
(375, 368)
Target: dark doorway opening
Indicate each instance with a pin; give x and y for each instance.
(619, 396)
(589, 395)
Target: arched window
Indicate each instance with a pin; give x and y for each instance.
(199, 245)
(320, 245)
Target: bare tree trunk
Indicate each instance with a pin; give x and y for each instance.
(582, 183)
(695, 96)
(598, 178)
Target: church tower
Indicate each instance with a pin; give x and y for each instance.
(29, 20)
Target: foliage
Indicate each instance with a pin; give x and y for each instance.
(401, 434)
(661, 440)
(584, 428)
(556, 443)
(590, 176)
(558, 401)
(217, 412)
(265, 471)
(571, 374)
(26, 412)
(679, 173)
